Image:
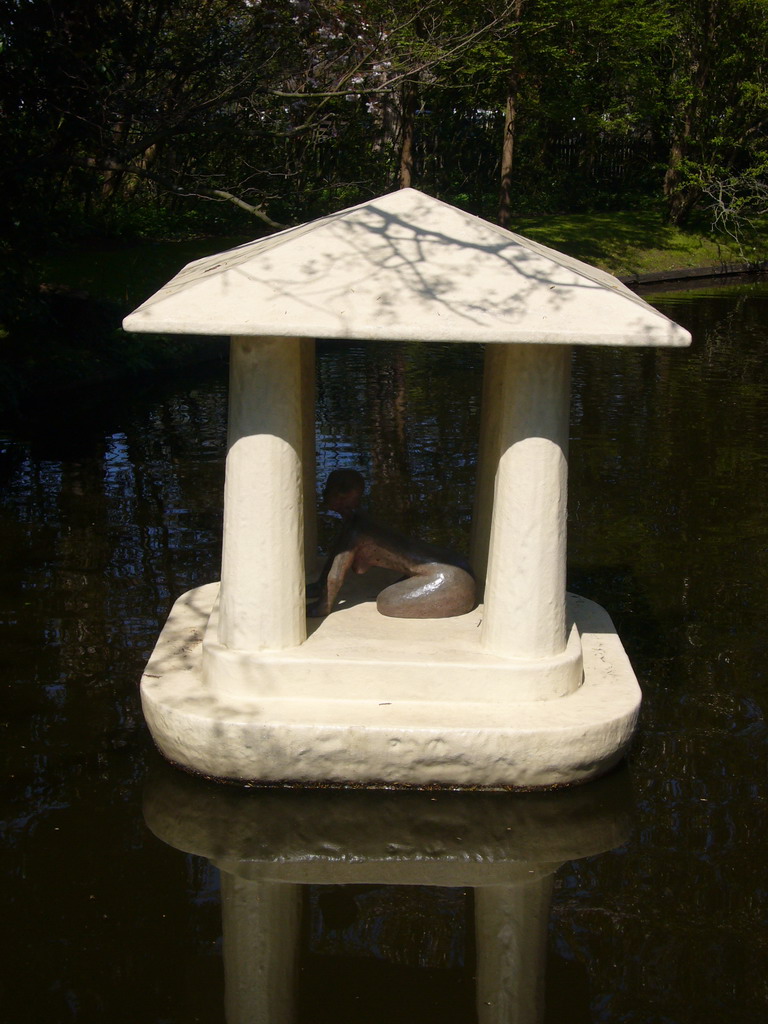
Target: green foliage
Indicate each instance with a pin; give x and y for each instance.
(136, 104)
(177, 118)
(717, 87)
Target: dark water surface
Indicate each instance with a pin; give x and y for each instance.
(659, 901)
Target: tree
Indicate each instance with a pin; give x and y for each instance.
(717, 74)
(565, 69)
(285, 108)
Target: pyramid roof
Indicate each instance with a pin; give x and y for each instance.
(404, 266)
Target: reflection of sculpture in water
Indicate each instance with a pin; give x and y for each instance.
(436, 583)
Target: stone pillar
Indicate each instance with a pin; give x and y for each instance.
(309, 455)
(511, 940)
(262, 572)
(490, 411)
(525, 584)
(260, 924)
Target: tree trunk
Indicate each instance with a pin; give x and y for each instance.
(508, 152)
(113, 177)
(672, 177)
(405, 179)
(681, 199)
(145, 162)
(510, 126)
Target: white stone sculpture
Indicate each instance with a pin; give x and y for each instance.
(530, 689)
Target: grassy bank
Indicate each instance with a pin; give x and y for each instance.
(638, 242)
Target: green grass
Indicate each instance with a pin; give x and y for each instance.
(638, 242)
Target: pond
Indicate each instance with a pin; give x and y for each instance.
(640, 898)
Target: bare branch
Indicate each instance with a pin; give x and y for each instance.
(735, 202)
(257, 211)
(413, 71)
(201, 193)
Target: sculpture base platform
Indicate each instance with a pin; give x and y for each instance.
(357, 706)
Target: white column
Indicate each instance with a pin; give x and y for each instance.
(260, 924)
(262, 571)
(525, 584)
(511, 941)
(309, 455)
(488, 460)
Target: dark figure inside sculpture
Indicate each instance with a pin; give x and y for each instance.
(435, 583)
